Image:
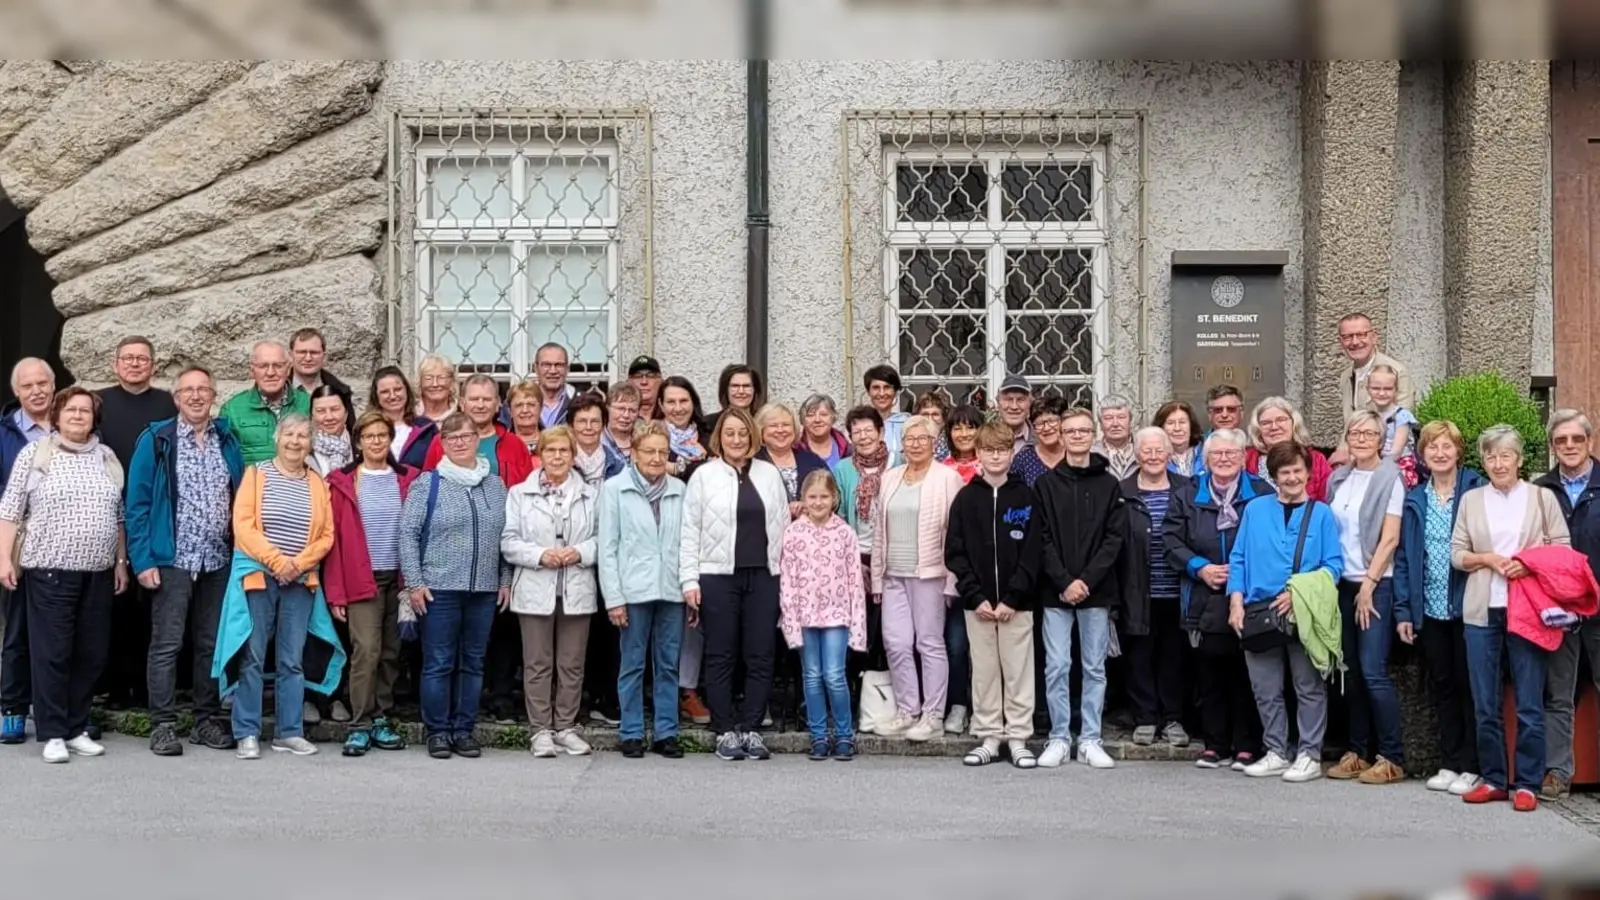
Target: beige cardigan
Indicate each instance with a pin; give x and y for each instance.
(1543, 524)
(939, 488)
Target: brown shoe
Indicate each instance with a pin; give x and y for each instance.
(1555, 787)
(692, 709)
(1349, 767)
(1383, 772)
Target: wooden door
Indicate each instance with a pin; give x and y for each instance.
(1575, 212)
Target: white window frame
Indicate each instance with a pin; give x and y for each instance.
(992, 236)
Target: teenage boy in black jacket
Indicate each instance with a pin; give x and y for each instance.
(991, 547)
(1082, 519)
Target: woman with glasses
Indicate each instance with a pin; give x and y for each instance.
(1151, 620)
(935, 406)
(1177, 419)
(523, 402)
(622, 415)
(818, 415)
(1047, 449)
(1274, 421)
(860, 479)
(436, 378)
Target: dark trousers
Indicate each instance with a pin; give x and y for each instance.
(183, 603)
(959, 650)
(1229, 721)
(16, 667)
(1371, 701)
(1156, 685)
(128, 659)
(69, 635)
(1444, 650)
(455, 635)
(602, 662)
(1487, 646)
(502, 664)
(739, 614)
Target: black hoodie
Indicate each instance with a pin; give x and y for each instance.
(992, 541)
(1083, 521)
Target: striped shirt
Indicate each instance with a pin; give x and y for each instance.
(1163, 578)
(378, 498)
(285, 508)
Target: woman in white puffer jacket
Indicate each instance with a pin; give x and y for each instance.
(550, 537)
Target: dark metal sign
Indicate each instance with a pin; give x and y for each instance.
(1227, 325)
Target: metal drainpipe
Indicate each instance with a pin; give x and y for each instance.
(757, 213)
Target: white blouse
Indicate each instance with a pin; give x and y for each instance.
(1506, 512)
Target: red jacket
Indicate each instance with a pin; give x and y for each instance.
(1321, 471)
(511, 454)
(1559, 577)
(347, 569)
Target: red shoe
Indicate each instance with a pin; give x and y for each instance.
(1525, 801)
(1484, 793)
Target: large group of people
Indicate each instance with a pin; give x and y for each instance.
(628, 554)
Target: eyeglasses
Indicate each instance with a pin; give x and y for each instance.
(1363, 434)
(1569, 440)
(1355, 336)
(1225, 407)
(916, 440)
(1077, 432)
(376, 436)
(1226, 454)
(464, 437)
(192, 391)
(135, 360)
(1046, 424)
(552, 366)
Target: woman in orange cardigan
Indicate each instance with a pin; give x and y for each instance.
(282, 519)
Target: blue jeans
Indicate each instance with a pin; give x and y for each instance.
(282, 611)
(823, 652)
(957, 647)
(1486, 645)
(1371, 698)
(654, 629)
(1094, 630)
(455, 637)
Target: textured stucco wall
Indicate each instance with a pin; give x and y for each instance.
(1416, 333)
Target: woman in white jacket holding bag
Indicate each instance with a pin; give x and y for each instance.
(551, 524)
(734, 514)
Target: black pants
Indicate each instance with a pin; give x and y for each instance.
(192, 604)
(69, 635)
(1229, 722)
(16, 668)
(1156, 684)
(123, 679)
(604, 660)
(1444, 650)
(739, 615)
(502, 665)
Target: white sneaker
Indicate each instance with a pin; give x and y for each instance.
(899, 725)
(569, 740)
(55, 751)
(309, 714)
(341, 713)
(1055, 753)
(299, 746)
(927, 728)
(1443, 780)
(1464, 784)
(956, 722)
(1305, 769)
(83, 746)
(1095, 755)
(544, 745)
(249, 748)
(1267, 766)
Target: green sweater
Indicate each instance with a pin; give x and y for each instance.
(1316, 619)
(255, 424)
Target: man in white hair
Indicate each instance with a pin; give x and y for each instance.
(25, 420)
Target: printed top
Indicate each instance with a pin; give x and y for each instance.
(822, 585)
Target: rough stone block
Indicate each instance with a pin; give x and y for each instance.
(27, 88)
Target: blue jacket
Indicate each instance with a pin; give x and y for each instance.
(1193, 542)
(11, 443)
(638, 556)
(322, 661)
(1259, 564)
(1583, 517)
(1411, 560)
(152, 516)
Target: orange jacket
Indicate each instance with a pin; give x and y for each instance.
(249, 536)
(1558, 576)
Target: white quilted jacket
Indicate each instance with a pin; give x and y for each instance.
(532, 528)
(710, 508)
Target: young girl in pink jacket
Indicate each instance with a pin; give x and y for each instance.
(822, 610)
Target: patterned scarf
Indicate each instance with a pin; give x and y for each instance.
(653, 490)
(871, 466)
(1227, 513)
(592, 466)
(684, 442)
(468, 478)
(336, 447)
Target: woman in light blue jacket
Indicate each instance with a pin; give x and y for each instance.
(641, 523)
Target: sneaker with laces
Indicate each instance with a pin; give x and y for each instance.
(1442, 781)
(1242, 761)
(357, 742)
(956, 722)
(1210, 759)
(983, 754)
(667, 748)
(164, 741)
(1524, 800)
(213, 734)
(439, 746)
(729, 746)
(1485, 793)
(1021, 756)
(692, 709)
(572, 743)
(1055, 753)
(897, 726)
(754, 746)
(844, 750)
(1176, 735)
(543, 745)
(1270, 766)
(1555, 785)
(249, 748)
(341, 713)
(299, 746)
(1306, 768)
(1383, 772)
(606, 714)
(1095, 755)
(1349, 767)
(83, 745)
(820, 750)
(384, 735)
(55, 751)
(631, 748)
(1144, 735)
(931, 725)
(13, 728)
(1464, 784)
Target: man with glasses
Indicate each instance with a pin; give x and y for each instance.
(1358, 340)
(645, 374)
(1014, 400)
(25, 420)
(253, 413)
(309, 352)
(1225, 408)
(551, 363)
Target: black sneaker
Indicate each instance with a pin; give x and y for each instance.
(466, 745)
(1210, 759)
(730, 746)
(632, 748)
(439, 746)
(210, 733)
(754, 747)
(668, 748)
(164, 741)
(819, 750)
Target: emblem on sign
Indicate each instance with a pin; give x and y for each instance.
(1227, 291)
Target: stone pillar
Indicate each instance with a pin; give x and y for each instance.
(1497, 121)
(1349, 111)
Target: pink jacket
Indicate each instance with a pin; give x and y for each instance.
(1559, 576)
(939, 489)
(821, 585)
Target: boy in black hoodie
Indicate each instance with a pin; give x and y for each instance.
(991, 547)
(1081, 517)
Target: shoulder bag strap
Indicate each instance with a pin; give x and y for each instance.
(1305, 528)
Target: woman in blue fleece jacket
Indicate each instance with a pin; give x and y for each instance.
(1258, 572)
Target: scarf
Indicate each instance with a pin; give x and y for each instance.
(653, 490)
(592, 466)
(336, 447)
(871, 467)
(1227, 513)
(467, 478)
(1183, 461)
(91, 444)
(684, 442)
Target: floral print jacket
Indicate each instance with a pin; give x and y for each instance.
(822, 584)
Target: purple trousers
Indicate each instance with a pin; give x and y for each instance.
(913, 620)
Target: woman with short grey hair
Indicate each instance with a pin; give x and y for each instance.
(819, 432)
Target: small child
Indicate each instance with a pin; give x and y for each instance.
(823, 611)
(991, 532)
(1399, 425)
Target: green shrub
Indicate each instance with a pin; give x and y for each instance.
(1476, 402)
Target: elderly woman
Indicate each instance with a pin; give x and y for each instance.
(331, 446)
(549, 538)
(776, 424)
(1151, 619)
(361, 577)
(525, 403)
(1048, 449)
(910, 581)
(687, 430)
(592, 459)
(436, 378)
(450, 527)
(641, 530)
(1428, 595)
(818, 416)
(734, 514)
(1276, 542)
(1367, 496)
(741, 387)
(282, 529)
(1494, 523)
(860, 478)
(1274, 421)
(1200, 531)
(1178, 420)
(935, 406)
(622, 414)
(391, 393)
(67, 489)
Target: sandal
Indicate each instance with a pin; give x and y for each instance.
(1021, 756)
(983, 754)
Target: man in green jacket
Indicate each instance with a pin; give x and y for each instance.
(254, 413)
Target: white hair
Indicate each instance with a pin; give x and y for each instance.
(258, 346)
(1151, 431)
(292, 420)
(1232, 436)
(24, 363)
(1500, 437)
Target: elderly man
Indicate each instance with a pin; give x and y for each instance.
(645, 374)
(310, 353)
(1116, 436)
(1014, 400)
(1225, 407)
(1578, 491)
(180, 490)
(21, 423)
(551, 365)
(253, 413)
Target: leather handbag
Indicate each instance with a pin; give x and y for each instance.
(1264, 627)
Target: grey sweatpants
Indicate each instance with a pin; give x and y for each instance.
(1266, 681)
(1560, 691)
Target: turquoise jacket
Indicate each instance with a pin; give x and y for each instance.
(639, 556)
(323, 659)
